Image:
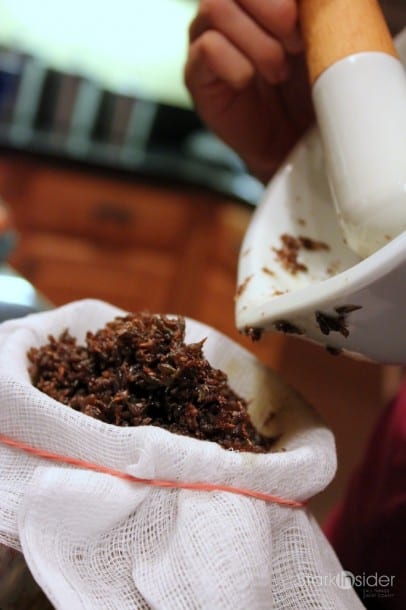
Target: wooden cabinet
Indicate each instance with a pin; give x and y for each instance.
(139, 244)
(103, 210)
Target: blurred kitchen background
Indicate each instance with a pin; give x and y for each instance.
(101, 83)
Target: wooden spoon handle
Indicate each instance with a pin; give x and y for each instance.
(334, 29)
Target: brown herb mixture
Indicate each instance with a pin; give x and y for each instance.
(241, 288)
(138, 370)
(287, 327)
(254, 334)
(328, 324)
(344, 310)
(308, 243)
(289, 252)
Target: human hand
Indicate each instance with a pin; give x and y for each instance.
(246, 75)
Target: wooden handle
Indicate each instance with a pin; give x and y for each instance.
(334, 29)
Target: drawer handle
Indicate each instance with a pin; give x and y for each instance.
(110, 212)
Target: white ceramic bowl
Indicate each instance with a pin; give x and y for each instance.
(335, 299)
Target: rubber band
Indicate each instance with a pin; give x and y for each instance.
(56, 457)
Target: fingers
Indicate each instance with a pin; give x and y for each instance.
(250, 27)
(279, 18)
(212, 57)
(245, 33)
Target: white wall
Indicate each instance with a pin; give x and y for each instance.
(134, 45)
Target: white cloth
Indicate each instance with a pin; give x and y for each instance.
(93, 541)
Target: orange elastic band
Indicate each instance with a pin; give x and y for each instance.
(55, 457)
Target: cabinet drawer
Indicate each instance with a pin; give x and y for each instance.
(106, 209)
(67, 269)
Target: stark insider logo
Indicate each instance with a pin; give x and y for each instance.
(347, 580)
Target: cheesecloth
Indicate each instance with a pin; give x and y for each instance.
(93, 541)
